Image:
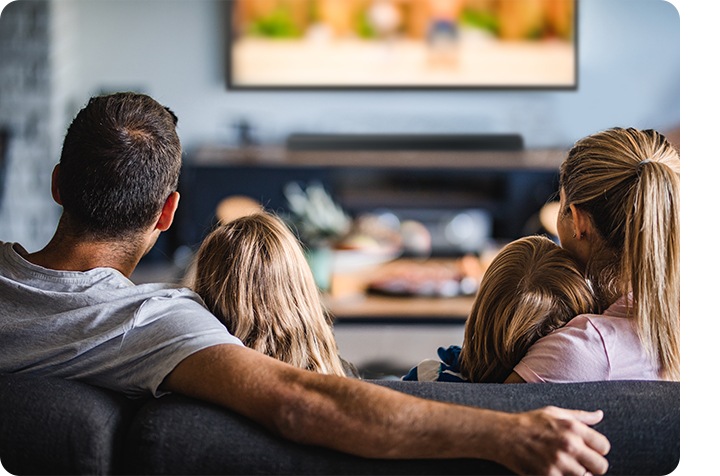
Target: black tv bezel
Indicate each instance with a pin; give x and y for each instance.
(228, 35)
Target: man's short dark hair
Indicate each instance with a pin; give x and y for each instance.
(120, 161)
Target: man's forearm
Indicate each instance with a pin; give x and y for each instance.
(376, 422)
(373, 421)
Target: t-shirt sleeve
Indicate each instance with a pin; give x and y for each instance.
(573, 353)
(163, 332)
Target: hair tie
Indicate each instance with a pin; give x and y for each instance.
(640, 164)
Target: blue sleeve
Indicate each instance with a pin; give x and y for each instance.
(412, 375)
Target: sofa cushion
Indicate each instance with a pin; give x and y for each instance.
(56, 426)
(175, 434)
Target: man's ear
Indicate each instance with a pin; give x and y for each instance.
(54, 185)
(581, 222)
(167, 215)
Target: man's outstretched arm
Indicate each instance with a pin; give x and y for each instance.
(372, 421)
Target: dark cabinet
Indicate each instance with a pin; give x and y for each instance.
(511, 186)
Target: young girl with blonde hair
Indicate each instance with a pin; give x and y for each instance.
(253, 275)
(620, 217)
(531, 288)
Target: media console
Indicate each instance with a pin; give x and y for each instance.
(510, 185)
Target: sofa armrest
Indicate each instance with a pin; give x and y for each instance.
(57, 426)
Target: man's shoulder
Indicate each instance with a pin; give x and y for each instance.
(164, 295)
(53, 291)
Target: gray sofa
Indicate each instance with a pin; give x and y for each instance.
(53, 426)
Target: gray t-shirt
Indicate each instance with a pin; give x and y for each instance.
(97, 326)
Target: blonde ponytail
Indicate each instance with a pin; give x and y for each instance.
(628, 181)
(651, 263)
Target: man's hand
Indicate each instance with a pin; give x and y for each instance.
(555, 442)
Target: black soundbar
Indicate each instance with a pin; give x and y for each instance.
(405, 142)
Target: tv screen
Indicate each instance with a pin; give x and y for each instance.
(506, 44)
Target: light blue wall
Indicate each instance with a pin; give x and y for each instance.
(629, 75)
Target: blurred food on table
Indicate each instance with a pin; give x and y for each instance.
(437, 278)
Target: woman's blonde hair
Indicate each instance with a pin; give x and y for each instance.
(628, 182)
(531, 288)
(253, 275)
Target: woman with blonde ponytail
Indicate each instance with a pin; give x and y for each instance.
(253, 276)
(620, 217)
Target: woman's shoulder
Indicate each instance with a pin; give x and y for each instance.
(584, 328)
(575, 352)
(583, 349)
(615, 318)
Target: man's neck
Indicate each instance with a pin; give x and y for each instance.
(72, 254)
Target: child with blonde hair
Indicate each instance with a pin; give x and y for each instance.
(531, 288)
(253, 276)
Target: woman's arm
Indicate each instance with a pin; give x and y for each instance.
(372, 421)
(514, 378)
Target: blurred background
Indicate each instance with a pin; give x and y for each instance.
(56, 54)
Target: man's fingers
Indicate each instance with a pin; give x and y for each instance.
(593, 462)
(592, 438)
(591, 446)
(582, 455)
(567, 465)
(596, 440)
(596, 447)
(589, 418)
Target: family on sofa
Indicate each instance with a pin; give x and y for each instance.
(254, 340)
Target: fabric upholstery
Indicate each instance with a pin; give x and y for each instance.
(176, 435)
(641, 418)
(55, 426)
(641, 421)
(52, 426)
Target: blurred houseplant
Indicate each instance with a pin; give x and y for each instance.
(320, 224)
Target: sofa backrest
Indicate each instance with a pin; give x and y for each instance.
(641, 418)
(53, 426)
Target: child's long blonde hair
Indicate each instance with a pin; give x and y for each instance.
(628, 182)
(531, 288)
(253, 275)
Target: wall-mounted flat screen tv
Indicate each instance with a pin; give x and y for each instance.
(428, 44)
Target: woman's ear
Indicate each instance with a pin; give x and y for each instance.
(581, 222)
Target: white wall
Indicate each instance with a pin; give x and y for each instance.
(629, 70)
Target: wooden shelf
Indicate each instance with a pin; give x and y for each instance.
(278, 156)
(368, 307)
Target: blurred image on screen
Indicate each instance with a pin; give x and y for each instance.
(403, 43)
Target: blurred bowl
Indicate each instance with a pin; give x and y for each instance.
(352, 261)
